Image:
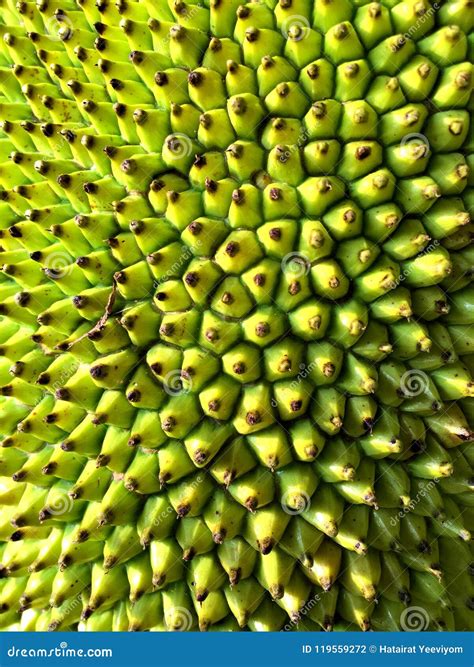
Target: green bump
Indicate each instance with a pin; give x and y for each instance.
(235, 315)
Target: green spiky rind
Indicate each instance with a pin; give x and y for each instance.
(165, 255)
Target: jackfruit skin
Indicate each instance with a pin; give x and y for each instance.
(236, 315)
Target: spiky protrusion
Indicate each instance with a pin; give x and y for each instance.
(235, 286)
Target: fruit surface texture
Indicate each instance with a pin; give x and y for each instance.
(236, 315)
